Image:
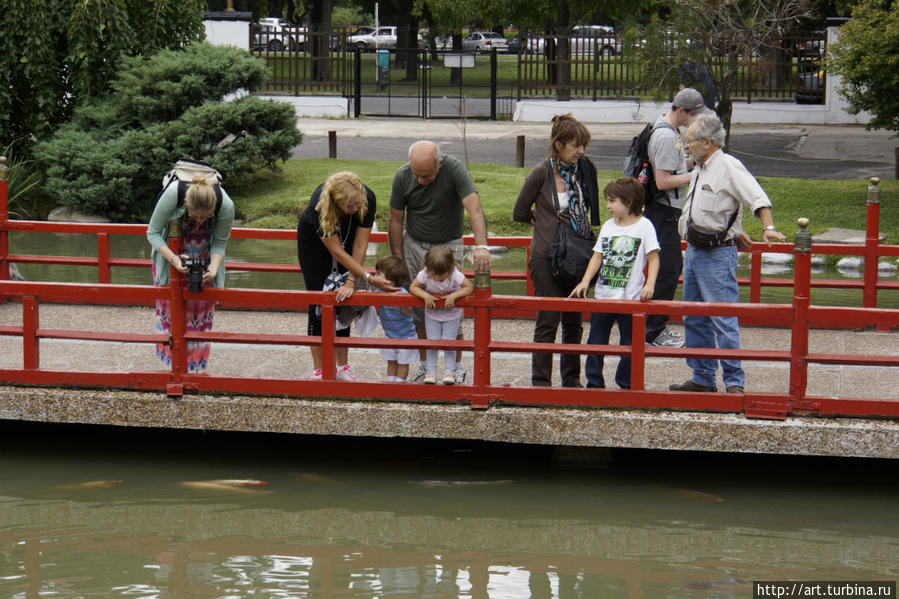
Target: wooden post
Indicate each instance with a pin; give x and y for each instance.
(802, 265)
(178, 314)
(332, 144)
(872, 243)
(4, 219)
(519, 151)
(30, 341)
(104, 271)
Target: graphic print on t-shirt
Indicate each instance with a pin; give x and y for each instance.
(618, 256)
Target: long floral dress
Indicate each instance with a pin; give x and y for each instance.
(199, 313)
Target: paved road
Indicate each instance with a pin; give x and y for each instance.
(805, 151)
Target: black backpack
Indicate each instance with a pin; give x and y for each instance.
(637, 164)
(184, 171)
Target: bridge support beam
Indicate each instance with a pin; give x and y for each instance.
(647, 429)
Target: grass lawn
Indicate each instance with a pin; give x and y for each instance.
(274, 200)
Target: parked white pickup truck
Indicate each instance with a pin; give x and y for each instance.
(369, 38)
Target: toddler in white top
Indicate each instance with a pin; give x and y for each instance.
(441, 276)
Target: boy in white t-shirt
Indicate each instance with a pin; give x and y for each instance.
(627, 242)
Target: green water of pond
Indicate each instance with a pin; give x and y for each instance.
(374, 519)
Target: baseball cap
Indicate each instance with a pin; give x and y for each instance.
(690, 99)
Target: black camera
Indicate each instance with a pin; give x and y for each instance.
(195, 269)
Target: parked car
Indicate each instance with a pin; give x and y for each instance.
(442, 42)
(811, 88)
(585, 39)
(484, 41)
(536, 44)
(276, 35)
(369, 38)
(812, 47)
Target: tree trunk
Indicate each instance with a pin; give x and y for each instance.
(725, 112)
(563, 54)
(407, 43)
(320, 30)
(455, 73)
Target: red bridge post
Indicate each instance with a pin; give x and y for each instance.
(872, 243)
(802, 276)
(176, 308)
(482, 316)
(329, 332)
(4, 220)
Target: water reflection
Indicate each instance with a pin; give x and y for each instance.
(362, 520)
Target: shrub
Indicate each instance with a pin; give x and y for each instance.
(111, 157)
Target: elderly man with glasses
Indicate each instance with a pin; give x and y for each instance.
(711, 222)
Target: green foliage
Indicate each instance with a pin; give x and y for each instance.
(55, 54)
(111, 157)
(22, 179)
(723, 35)
(867, 56)
(347, 16)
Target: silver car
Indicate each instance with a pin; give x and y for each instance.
(484, 41)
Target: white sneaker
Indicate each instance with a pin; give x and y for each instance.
(459, 376)
(316, 374)
(668, 338)
(419, 374)
(345, 373)
(430, 378)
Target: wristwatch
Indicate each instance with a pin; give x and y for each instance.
(771, 228)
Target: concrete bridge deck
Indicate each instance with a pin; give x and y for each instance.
(553, 426)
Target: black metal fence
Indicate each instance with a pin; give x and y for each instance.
(430, 82)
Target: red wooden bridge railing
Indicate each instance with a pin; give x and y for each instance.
(800, 316)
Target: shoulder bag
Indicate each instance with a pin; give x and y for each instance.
(569, 252)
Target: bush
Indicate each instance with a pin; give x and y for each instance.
(111, 157)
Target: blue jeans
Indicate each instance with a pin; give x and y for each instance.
(600, 329)
(711, 276)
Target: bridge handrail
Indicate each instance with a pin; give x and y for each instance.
(871, 250)
(482, 391)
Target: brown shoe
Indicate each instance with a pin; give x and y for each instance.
(691, 386)
(735, 389)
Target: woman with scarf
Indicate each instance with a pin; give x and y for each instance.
(571, 177)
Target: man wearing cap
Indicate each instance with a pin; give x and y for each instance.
(431, 193)
(711, 223)
(669, 164)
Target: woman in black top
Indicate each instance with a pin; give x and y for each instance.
(333, 232)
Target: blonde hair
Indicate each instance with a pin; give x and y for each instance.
(566, 129)
(439, 260)
(200, 196)
(339, 190)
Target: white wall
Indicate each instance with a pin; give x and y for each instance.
(316, 106)
(228, 33)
